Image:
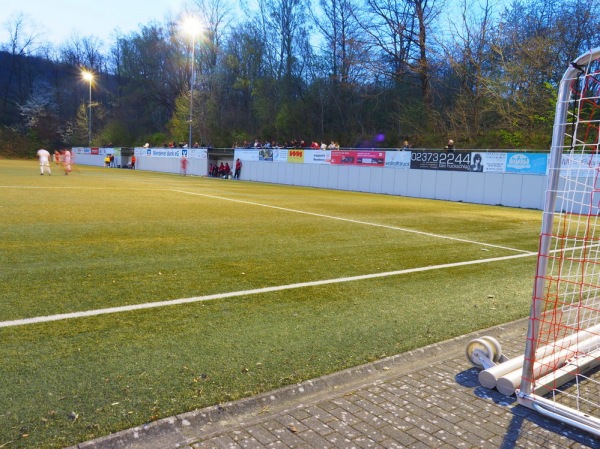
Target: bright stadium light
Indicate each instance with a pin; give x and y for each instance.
(192, 27)
(89, 77)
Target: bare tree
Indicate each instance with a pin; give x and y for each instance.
(426, 12)
(400, 31)
(346, 57)
(574, 20)
(242, 72)
(343, 46)
(468, 56)
(281, 27)
(402, 38)
(85, 52)
(391, 26)
(217, 16)
(281, 24)
(526, 52)
(152, 75)
(16, 72)
(39, 112)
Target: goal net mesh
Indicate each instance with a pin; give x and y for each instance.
(562, 352)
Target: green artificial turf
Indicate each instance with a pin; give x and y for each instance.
(102, 238)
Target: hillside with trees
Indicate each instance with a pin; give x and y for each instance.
(360, 72)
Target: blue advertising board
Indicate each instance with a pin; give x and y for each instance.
(526, 163)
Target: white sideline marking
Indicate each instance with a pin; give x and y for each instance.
(314, 214)
(151, 305)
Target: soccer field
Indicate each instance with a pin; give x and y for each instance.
(129, 296)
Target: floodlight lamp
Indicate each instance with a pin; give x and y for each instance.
(192, 26)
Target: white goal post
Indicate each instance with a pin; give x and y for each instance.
(562, 351)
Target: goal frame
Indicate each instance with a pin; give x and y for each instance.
(530, 394)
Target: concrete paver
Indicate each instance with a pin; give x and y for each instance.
(425, 398)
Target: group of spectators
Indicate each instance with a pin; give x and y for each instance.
(174, 144)
(224, 170)
(294, 144)
(298, 144)
(219, 171)
(109, 162)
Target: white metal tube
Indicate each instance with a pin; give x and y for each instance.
(489, 377)
(508, 383)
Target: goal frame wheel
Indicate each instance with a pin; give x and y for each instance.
(495, 346)
(476, 349)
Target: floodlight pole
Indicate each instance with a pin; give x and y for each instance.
(192, 82)
(90, 116)
(89, 77)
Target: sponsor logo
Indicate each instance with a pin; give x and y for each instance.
(519, 161)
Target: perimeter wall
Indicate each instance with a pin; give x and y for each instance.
(511, 178)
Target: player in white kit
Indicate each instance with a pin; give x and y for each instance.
(44, 161)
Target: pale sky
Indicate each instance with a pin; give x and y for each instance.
(57, 20)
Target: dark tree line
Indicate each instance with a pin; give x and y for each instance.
(343, 70)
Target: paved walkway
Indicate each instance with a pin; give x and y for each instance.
(427, 398)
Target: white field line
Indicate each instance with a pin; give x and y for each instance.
(152, 305)
(88, 313)
(314, 214)
(331, 217)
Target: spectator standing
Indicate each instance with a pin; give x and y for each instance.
(44, 157)
(133, 162)
(238, 169)
(450, 146)
(184, 164)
